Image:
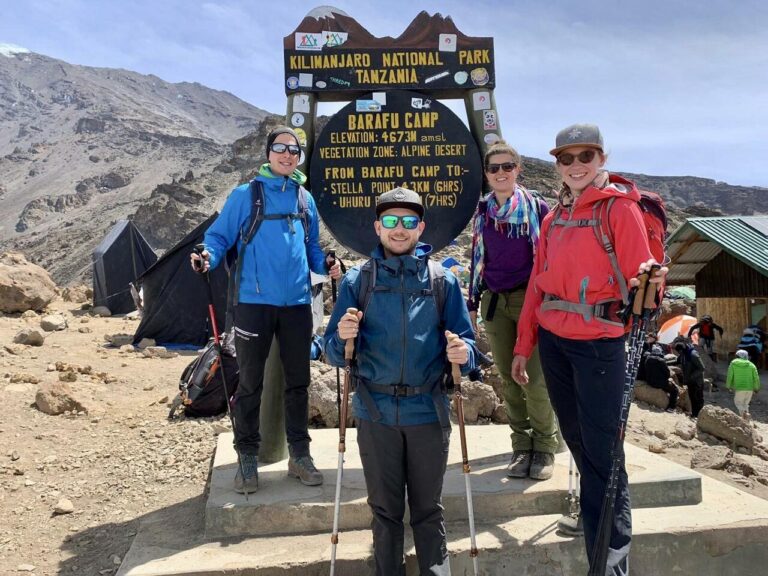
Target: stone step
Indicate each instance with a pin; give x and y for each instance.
(726, 534)
(283, 505)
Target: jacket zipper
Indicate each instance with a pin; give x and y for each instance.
(404, 339)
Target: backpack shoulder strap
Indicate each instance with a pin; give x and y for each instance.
(604, 234)
(257, 211)
(437, 285)
(367, 284)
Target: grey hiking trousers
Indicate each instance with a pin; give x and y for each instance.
(396, 457)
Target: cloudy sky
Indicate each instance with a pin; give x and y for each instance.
(679, 87)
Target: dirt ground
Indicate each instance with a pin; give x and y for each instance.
(74, 488)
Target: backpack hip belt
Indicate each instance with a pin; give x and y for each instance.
(608, 311)
(436, 390)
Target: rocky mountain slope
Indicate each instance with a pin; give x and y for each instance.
(81, 148)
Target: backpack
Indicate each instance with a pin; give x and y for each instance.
(201, 388)
(654, 217)
(368, 285)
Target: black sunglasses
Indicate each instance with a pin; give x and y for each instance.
(279, 148)
(506, 166)
(409, 222)
(585, 157)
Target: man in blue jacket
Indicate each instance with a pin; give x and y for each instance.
(400, 404)
(273, 299)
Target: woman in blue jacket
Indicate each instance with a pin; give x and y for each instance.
(273, 299)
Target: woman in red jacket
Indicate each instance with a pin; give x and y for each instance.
(571, 310)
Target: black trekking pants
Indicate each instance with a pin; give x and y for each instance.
(696, 394)
(396, 457)
(585, 379)
(255, 326)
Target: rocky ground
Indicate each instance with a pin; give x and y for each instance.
(75, 487)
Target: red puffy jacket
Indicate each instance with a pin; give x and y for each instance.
(572, 266)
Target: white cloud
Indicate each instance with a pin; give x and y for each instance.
(9, 50)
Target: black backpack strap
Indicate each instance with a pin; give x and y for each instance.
(246, 235)
(367, 285)
(437, 287)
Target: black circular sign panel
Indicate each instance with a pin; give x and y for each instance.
(407, 140)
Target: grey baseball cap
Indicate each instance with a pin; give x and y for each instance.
(578, 135)
(400, 198)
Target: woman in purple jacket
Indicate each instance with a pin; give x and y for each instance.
(505, 237)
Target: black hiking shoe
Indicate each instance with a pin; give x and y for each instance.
(571, 524)
(303, 468)
(542, 466)
(250, 469)
(520, 464)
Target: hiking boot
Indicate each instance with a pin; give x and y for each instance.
(542, 466)
(251, 472)
(303, 468)
(571, 524)
(520, 464)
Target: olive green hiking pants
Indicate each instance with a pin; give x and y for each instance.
(530, 413)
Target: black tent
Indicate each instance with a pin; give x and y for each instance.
(176, 298)
(121, 257)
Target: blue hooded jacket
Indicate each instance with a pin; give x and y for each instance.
(400, 340)
(277, 261)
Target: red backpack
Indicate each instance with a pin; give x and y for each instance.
(654, 216)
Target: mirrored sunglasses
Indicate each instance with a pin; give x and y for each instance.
(279, 148)
(409, 222)
(506, 166)
(585, 157)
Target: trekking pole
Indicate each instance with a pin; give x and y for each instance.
(574, 488)
(643, 302)
(217, 346)
(456, 373)
(349, 349)
(332, 254)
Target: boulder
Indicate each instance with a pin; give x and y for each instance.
(711, 457)
(23, 285)
(102, 311)
(322, 406)
(659, 398)
(53, 323)
(29, 337)
(685, 430)
(118, 340)
(500, 415)
(158, 352)
(727, 425)
(77, 294)
(480, 400)
(56, 398)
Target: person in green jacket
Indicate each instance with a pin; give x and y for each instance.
(743, 380)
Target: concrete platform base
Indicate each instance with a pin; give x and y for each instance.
(283, 505)
(725, 533)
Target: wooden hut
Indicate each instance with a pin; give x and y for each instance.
(726, 259)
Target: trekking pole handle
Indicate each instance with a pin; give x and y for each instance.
(455, 368)
(650, 292)
(199, 264)
(349, 345)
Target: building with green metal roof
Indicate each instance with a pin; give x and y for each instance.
(726, 259)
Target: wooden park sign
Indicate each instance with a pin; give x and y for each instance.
(394, 131)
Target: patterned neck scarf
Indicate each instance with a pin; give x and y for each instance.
(518, 217)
